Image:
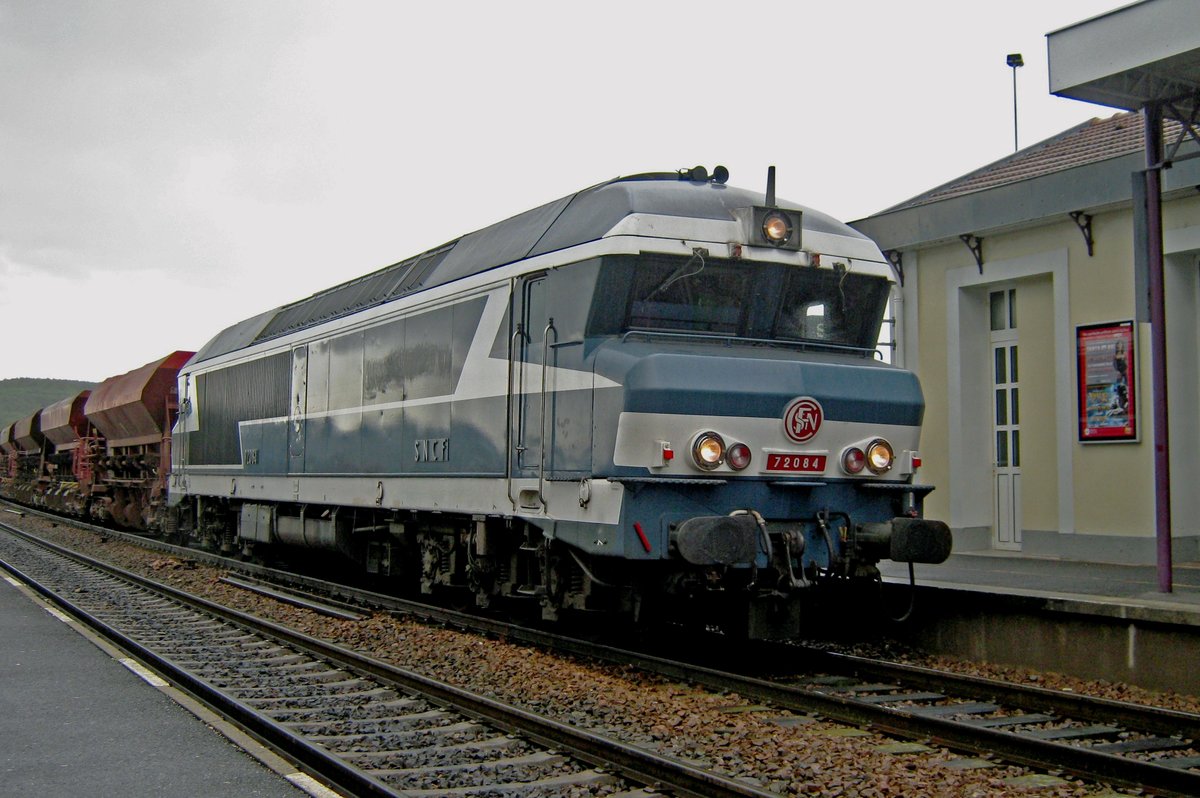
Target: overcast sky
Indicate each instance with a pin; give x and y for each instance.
(170, 167)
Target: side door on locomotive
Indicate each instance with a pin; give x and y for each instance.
(552, 381)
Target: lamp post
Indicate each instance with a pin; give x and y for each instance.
(1015, 60)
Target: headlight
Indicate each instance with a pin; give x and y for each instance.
(708, 451)
(738, 456)
(776, 228)
(880, 456)
(853, 460)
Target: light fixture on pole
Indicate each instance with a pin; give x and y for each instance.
(1015, 60)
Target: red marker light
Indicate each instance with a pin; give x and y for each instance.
(738, 456)
(853, 460)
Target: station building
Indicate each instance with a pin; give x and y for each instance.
(1023, 307)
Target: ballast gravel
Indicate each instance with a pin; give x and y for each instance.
(788, 755)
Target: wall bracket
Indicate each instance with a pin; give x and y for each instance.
(975, 244)
(896, 258)
(1084, 222)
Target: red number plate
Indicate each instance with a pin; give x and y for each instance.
(810, 463)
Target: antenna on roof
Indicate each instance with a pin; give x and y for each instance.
(770, 186)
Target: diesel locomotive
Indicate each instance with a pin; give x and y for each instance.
(660, 397)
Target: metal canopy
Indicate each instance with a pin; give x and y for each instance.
(1144, 53)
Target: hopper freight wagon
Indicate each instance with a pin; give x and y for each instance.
(101, 454)
(25, 460)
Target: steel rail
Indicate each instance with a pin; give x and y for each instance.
(1028, 697)
(629, 761)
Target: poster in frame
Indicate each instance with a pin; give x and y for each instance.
(1106, 369)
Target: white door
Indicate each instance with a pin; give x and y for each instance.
(1006, 421)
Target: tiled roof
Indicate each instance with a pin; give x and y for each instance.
(1093, 141)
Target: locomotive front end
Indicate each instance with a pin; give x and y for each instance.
(768, 454)
(779, 481)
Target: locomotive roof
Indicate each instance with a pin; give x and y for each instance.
(569, 221)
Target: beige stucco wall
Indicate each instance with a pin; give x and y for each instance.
(931, 321)
(1111, 486)
(1181, 213)
(1039, 455)
(1114, 482)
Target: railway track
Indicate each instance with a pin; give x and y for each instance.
(1096, 738)
(1099, 739)
(359, 724)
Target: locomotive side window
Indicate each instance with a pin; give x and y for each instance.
(535, 319)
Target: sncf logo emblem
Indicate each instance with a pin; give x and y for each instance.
(802, 419)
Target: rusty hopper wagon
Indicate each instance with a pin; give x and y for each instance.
(128, 460)
(101, 454)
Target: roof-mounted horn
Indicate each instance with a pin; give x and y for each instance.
(698, 174)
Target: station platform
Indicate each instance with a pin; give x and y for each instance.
(1085, 588)
(1092, 620)
(75, 720)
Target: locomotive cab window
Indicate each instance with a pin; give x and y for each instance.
(738, 299)
(832, 306)
(692, 295)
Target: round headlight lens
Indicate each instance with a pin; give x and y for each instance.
(880, 456)
(777, 228)
(708, 451)
(738, 456)
(853, 460)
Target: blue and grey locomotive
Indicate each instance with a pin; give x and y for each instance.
(659, 395)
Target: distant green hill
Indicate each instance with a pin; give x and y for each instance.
(21, 396)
